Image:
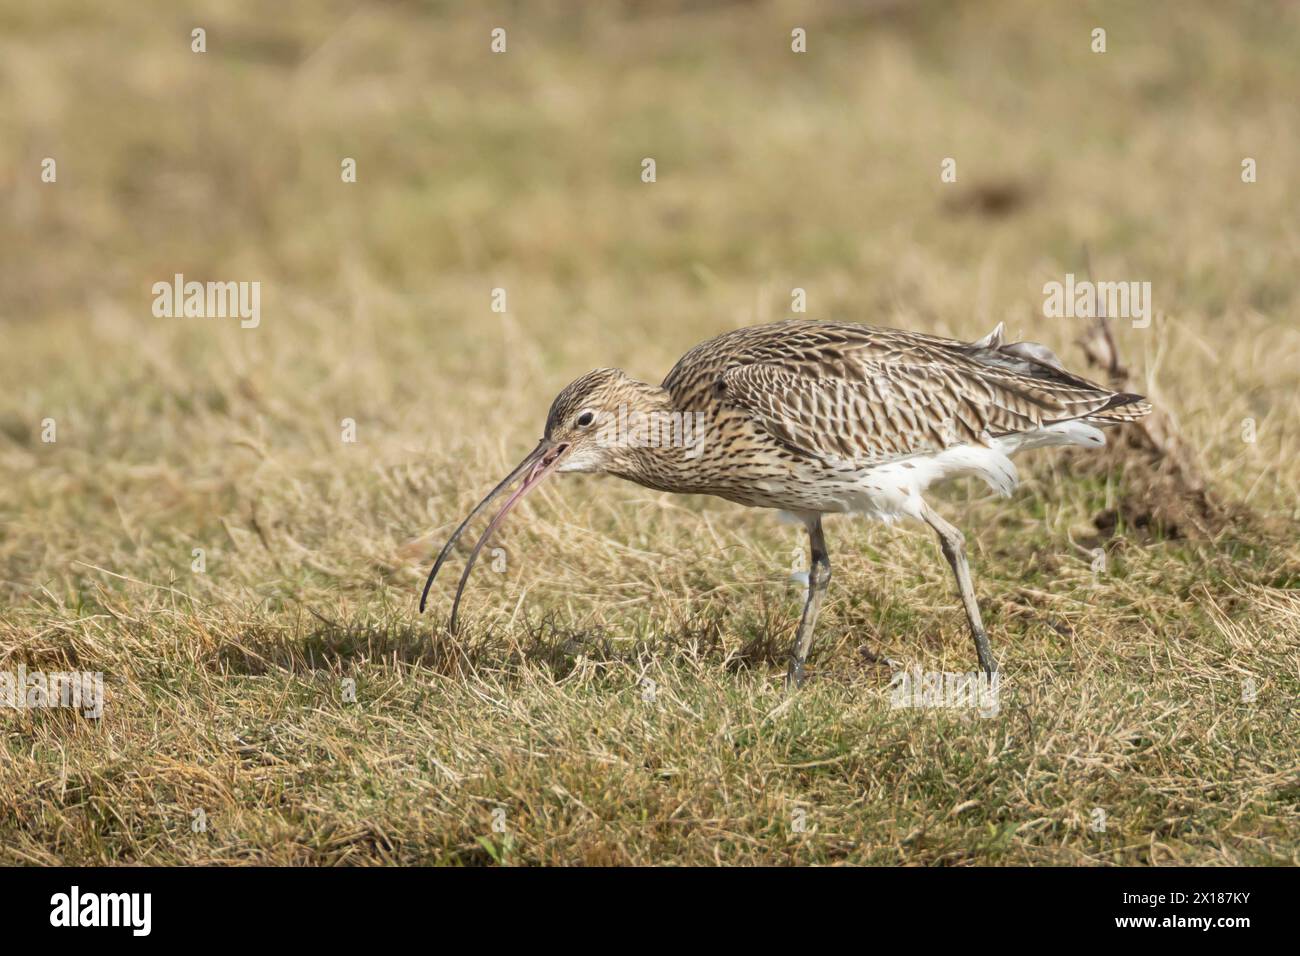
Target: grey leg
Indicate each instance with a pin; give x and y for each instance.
(819, 576)
(954, 549)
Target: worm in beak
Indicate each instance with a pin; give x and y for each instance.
(537, 464)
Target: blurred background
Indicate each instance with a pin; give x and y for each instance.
(522, 171)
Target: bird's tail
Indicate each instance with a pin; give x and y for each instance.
(1039, 364)
(1123, 407)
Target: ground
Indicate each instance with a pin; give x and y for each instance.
(201, 532)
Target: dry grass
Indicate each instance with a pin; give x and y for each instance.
(1123, 689)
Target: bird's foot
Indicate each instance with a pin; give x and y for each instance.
(988, 663)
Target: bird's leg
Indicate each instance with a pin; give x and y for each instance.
(954, 549)
(819, 576)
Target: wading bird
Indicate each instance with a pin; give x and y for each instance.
(818, 418)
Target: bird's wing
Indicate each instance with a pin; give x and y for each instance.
(893, 405)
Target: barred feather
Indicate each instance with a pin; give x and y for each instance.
(841, 392)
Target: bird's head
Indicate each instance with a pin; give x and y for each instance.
(586, 426)
(585, 432)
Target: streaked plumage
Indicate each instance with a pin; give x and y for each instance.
(819, 417)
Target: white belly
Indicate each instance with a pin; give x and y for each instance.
(895, 490)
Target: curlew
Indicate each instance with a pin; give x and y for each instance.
(818, 418)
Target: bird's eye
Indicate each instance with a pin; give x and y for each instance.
(585, 419)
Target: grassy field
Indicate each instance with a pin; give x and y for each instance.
(615, 696)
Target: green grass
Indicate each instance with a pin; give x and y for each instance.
(1123, 690)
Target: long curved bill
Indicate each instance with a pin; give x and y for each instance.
(537, 464)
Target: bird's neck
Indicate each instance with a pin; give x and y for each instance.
(657, 445)
(662, 467)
